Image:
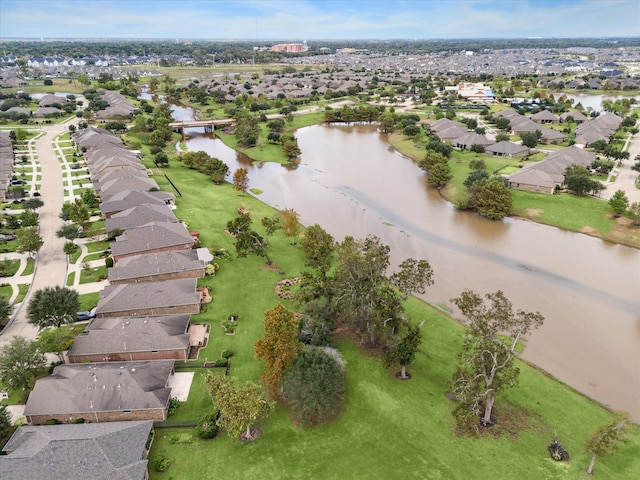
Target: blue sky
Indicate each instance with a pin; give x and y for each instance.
(318, 19)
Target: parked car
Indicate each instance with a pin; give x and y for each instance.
(84, 315)
(6, 238)
(17, 181)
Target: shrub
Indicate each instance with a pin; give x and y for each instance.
(174, 403)
(221, 362)
(181, 438)
(160, 464)
(80, 420)
(207, 427)
(52, 421)
(108, 261)
(227, 354)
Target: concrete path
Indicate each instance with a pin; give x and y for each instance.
(625, 177)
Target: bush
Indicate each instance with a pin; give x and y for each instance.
(174, 403)
(108, 262)
(207, 427)
(161, 464)
(181, 438)
(80, 420)
(221, 362)
(227, 354)
(52, 421)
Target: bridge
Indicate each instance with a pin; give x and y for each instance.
(209, 125)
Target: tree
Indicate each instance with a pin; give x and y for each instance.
(29, 218)
(414, 276)
(291, 227)
(89, 198)
(79, 214)
(247, 239)
(69, 248)
(493, 200)
(291, 148)
(28, 240)
(578, 181)
(634, 212)
(439, 175)
(315, 385)
(318, 247)
(216, 169)
(53, 306)
(486, 362)
(32, 203)
(241, 406)
(619, 203)
(529, 139)
(5, 421)
(363, 295)
(431, 159)
(475, 176)
(20, 359)
(56, 340)
(402, 348)
(280, 345)
(477, 148)
(604, 441)
(6, 309)
(69, 231)
(502, 137)
(241, 180)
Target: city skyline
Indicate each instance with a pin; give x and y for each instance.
(318, 19)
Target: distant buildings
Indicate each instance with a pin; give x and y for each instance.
(290, 47)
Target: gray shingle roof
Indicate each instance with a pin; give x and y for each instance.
(110, 335)
(127, 199)
(82, 389)
(140, 215)
(152, 236)
(147, 295)
(506, 148)
(160, 263)
(100, 451)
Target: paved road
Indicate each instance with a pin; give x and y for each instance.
(625, 177)
(51, 267)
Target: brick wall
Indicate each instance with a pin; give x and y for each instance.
(175, 354)
(98, 417)
(198, 273)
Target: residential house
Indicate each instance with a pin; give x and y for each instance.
(102, 392)
(170, 297)
(154, 237)
(122, 339)
(140, 215)
(469, 139)
(154, 267)
(544, 116)
(130, 198)
(506, 149)
(100, 451)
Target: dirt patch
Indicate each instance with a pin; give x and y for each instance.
(589, 230)
(508, 420)
(253, 435)
(533, 212)
(270, 268)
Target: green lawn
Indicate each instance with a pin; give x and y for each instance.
(28, 270)
(93, 274)
(88, 300)
(388, 429)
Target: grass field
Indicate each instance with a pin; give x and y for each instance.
(388, 429)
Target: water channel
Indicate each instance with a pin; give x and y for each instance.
(352, 183)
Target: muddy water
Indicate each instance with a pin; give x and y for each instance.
(351, 183)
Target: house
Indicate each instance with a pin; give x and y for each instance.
(549, 135)
(532, 180)
(154, 237)
(122, 339)
(154, 267)
(132, 182)
(544, 116)
(140, 215)
(506, 149)
(130, 198)
(100, 451)
(469, 139)
(577, 116)
(51, 100)
(169, 297)
(102, 392)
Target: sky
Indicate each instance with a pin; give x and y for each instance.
(298, 20)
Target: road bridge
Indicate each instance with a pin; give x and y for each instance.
(209, 125)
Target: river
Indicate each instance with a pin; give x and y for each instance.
(351, 182)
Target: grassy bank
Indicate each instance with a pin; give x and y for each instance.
(388, 429)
